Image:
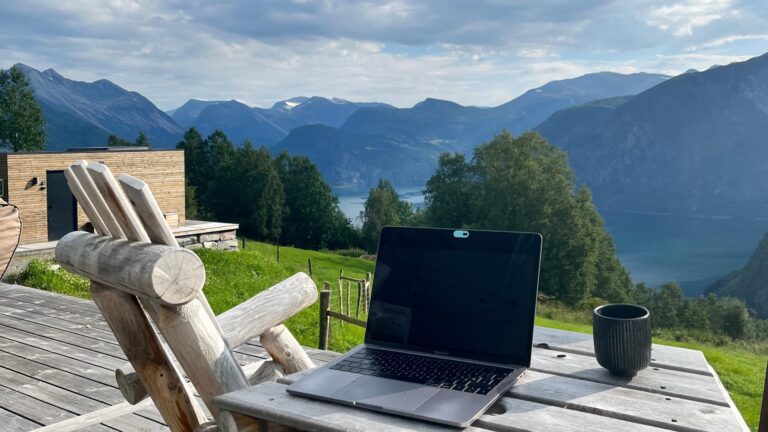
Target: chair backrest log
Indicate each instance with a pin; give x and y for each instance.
(136, 268)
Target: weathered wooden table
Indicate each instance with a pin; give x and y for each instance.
(564, 390)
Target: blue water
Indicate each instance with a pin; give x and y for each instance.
(692, 251)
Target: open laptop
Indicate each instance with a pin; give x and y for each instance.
(450, 326)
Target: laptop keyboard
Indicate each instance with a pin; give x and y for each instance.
(436, 372)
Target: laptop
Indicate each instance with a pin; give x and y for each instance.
(450, 326)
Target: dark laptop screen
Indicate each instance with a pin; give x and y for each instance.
(472, 297)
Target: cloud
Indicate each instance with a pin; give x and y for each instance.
(483, 52)
(681, 19)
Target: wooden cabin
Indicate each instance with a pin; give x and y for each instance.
(35, 183)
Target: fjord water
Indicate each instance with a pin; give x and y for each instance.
(692, 251)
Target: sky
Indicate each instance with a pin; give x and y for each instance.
(476, 52)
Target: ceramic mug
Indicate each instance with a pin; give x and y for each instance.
(622, 337)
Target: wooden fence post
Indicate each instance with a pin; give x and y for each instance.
(278, 253)
(341, 291)
(309, 264)
(325, 302)
(359, 297)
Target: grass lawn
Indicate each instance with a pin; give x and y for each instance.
(234, 277)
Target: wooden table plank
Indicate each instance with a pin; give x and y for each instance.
(270, 401)
(663, 356)
(702, 388)
(622, 403)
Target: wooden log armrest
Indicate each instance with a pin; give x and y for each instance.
(248, 320)
(170, 276)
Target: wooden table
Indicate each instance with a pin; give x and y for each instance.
(565, 389)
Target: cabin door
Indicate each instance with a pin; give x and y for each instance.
(62, 207)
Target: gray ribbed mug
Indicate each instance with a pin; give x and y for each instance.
(622, 336)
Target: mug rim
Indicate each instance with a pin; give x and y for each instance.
(597, 311)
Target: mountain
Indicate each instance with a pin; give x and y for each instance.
(239, 122)
(694, 144)
(750, 283)
(80, 114)
(186, 114)
(265, 126)
(434, 126)
(534, 106)
(463, 127)
(353, 160)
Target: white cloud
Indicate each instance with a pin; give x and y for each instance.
(531, 52)
(718, 42)
(681, 19)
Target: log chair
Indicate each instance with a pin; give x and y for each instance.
(140, 276)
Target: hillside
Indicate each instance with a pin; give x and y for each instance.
(352, 160)
(694, 144)
(240, 122)
(750, 283)
(80, 114)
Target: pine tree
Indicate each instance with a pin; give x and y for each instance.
(21, 119)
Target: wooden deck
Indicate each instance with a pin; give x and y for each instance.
(57, 362)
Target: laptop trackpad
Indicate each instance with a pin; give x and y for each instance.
(375, 393)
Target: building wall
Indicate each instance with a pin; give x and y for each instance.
(162, 170)
(4, 176)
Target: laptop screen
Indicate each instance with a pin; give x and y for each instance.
(471, 297)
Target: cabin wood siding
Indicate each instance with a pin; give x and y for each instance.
(162, 170)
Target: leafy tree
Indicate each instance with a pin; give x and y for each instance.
(383, 207)
(667, 305)
(525, 184)
(311, 217)
(448, 195)
(21, 119)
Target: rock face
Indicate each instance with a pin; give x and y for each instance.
(80, 114)
(695, 144)
(750, 283)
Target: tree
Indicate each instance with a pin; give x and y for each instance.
(667, 306)
(525, 184)
(448, 195)
(383, 207)
(195, 170)
(255, 192)
(116, 141)
(142, 140)
(22, 127)
(311, 219)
